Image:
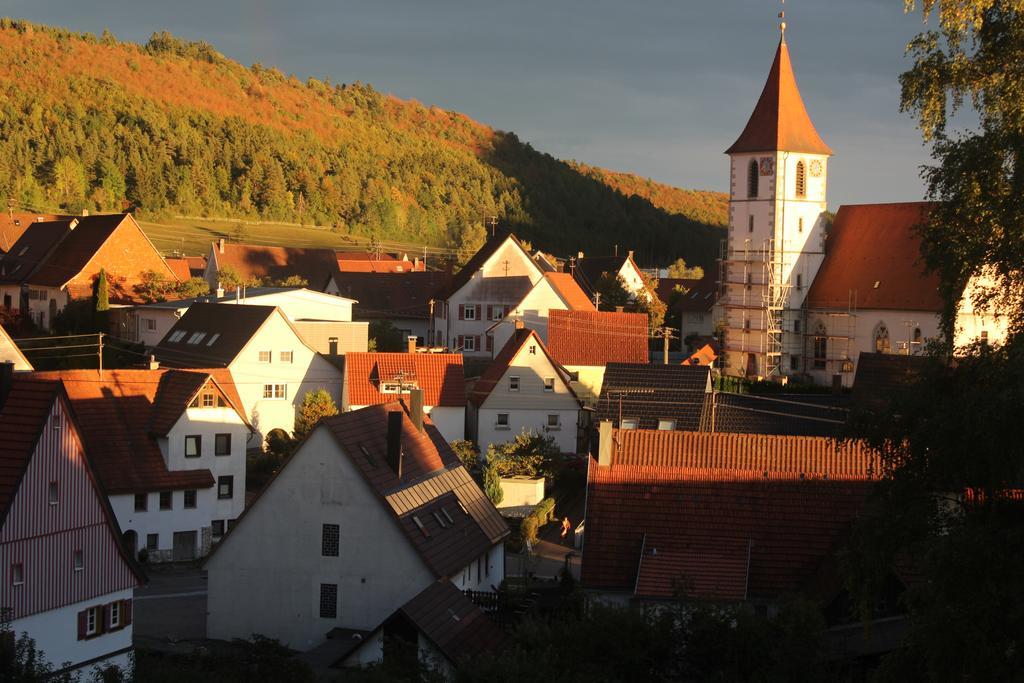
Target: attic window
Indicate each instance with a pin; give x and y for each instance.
(463, 508)
(214, 337)
(440, 521)
(177, 336)
(419, 525)
(22, 251)
(533, 349)
(196, 337)
(444, 511)
(877, 282)
(365, 451)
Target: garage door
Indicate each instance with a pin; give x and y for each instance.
(184, 545)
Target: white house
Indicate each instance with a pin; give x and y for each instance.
(270, 362)
(371, 509)
(554, 291)
(169, 449)
(493, 282)
(300, 305)
(588, 271)
(523, 389)
(66, 579)
(375, 378)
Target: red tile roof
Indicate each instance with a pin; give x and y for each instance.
(705, 355)
(13, 226)
(719, 516)
(570, 291)
(120, 412)
(278, 263)
(22, 417)
(496, 370)
(363, 262)
(780, 121)
(873, 261)
(439, 375)
(597, 337)
(196, 265)
(180, 267)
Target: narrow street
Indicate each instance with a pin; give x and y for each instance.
(171, 609)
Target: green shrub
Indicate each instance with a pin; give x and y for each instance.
(492, 485)
(528, 528)
(546, 509)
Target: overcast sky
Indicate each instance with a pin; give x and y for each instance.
(652, 87)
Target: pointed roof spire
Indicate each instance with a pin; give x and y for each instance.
(780, 121)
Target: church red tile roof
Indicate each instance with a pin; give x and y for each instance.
(719, 516)
(873, 261)
(439, 375)
(594, 338)
(780, 120)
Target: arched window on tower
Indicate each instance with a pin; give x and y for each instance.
(882, 344)
(801, 179)
(820, 346)
(752, 177)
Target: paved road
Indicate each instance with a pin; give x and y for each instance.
(171, 607)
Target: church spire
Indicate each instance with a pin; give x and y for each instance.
(780, 121)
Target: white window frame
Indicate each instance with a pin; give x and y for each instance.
(150, 324)
(275, 392)
(290, 354)
(514, 383)
(498, 424)
(92, 621)
(469, 312)
(115, 614)
(269, 356)
(469, 343)
(557, 425)
(628, 423)
(666, 424)
(549, 384)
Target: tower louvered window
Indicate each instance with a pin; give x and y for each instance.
(801, 179)
(752, 177)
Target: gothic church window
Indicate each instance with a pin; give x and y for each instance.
(882, 339)
(801, 179)
(752, 177)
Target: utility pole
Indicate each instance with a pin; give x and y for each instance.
(572, 265)
(430, 323)
(666, 334)
(597, 300)
(493, 222)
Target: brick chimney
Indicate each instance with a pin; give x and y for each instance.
(618, 309)
(520, 325)
(154, 364)
(394, 454)
(220, 245)
(332, 346)
(411, 343)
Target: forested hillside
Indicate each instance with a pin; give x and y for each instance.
(174, 127)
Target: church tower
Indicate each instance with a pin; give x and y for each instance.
(778, 171)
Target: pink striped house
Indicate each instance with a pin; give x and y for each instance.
(65, 578)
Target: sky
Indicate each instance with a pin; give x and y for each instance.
(651, 87)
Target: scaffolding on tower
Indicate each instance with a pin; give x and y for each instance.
(774, 297)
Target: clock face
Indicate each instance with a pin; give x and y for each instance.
(767, 165)
(816, 168)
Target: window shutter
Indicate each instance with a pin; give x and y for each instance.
(490, 343)
(126, 612)
(490, 311)
(478, 313)
(81, 625)
(462, 311)
(477, 344)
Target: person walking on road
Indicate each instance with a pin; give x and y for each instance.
(566, 526)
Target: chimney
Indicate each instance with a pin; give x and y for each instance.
(332, 346)
(618, 309)
(85, 212)
(220, 292)
(579, 254)
(604, 443)
(520, 325)
(6, 380)
(154, 364)
(220, 245)
(629, 254)
(73, 224)
(395, 442)
(411, 343)
(416, 408)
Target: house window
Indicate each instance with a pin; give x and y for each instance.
(628, 423)
(196, 337)
(78, 560)
(750, 224)
(820, 347)
(150, 324)
(152, 541)
(208, 400)
(513, 384)
(264, 356)
(165, 500)
(794, 363)
(801, 179)
(17, 574)
(212, 339)
(222, 444)
(225, 487)
(882, 339)
(917, 335)
(114, 610)
(92, 621)
(217, 528)
(799, 281)
(329, 540)
(469, 343)
(501, 422)
(177, 336)
(275, 391)
(469, 312)
(141, 502)
(666, 425)
(796, 326)
(752, 178)
(193, 445)
(328, 601)
(549, 384)
(984, 337)
(190, 498)
(554, 422)
(54, 493)
(286, 356)
(800, 224)
(533, 349)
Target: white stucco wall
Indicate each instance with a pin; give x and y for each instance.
(484, 574)
(163, 320)
(449, 420)
(588, 386)
(533, 311)
(56, 634)
(520, 420)
(266, 577)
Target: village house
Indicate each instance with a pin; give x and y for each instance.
(318, 317)
(589, 270)
(375, 378)
(168, 447)
(67, 581)
(269, 361)
(371, 509)
(490, 285)
(261, 265)
(524, 390)
(553, 292)
(584, 342)
(55, 262)
(10, 353)
(403, 299)
(692, 302)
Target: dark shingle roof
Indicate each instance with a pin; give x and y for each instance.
(881, 374)
(233, 327)
(391, 295)
(649, 393)
(447, 618)
(794, 414)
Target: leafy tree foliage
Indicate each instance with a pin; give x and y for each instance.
(468, 453)
(680, 271)
(492, 485)
(528, 454)
(384, 336)
(315, 405)
(155, 287)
